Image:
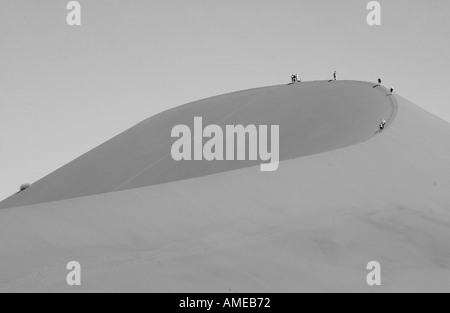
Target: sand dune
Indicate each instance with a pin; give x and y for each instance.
(342, 197)
(314, 117)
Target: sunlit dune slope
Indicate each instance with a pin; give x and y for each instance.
(312, 225)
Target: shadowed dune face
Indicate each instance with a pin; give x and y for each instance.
(313, 117)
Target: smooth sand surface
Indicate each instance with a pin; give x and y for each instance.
(313, 225)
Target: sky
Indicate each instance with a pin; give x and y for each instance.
(66, 89)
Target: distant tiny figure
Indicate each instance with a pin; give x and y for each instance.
(295, 79)
(378, 84)
(382, 125)
(334, 75)
(24, 186)
(392, 90)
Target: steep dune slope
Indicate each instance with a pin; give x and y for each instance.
(314, 117)
(313, 225)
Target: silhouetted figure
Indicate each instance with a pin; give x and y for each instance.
(378, 84)
(334, 75)
(294, 78)
(392, 90)
(382, 125)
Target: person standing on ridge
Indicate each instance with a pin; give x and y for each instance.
(392, 90)
(293, 78)
(378, 84)
(334, 75)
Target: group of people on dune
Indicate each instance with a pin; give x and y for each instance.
(382, 125)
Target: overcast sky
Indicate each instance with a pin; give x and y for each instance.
(65, 90)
